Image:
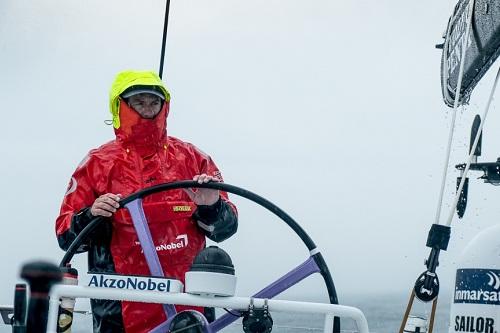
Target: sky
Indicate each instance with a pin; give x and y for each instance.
(330, 109)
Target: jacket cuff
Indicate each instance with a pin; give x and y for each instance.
(81, 219)
(220, 221)
(209, 214)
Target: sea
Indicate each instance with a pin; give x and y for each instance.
(383, 313)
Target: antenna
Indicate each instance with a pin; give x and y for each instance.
(164, 39)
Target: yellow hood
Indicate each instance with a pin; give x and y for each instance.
(127, 79)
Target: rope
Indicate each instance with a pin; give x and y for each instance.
(407, 311)
(409, 308)
(473, 149)
(433, 315)
(455, 106)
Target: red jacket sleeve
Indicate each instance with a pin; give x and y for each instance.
(219, 221)
(74, 212)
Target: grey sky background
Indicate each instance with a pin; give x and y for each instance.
(330, 109)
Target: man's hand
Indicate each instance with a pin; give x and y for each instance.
(106, 205)
(203, 196)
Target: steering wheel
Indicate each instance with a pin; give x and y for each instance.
(314, 264)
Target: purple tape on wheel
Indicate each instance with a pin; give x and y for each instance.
(296, 275)
(142, 229)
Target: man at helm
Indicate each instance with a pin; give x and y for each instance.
(140, 156)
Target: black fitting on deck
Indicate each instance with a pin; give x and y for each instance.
(439, 237)
(427, 285)
(20, 309)
(41, 276)
(462, 199)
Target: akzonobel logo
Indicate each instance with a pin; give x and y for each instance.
(134, 283)
(71, 186)
(181, 242)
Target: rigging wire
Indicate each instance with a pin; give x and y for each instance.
(164, 39)
(455, 107)
(472, 150)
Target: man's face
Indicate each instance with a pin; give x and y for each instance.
(147, 105)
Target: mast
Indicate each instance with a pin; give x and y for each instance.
(164, 39)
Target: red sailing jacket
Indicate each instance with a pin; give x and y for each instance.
(141, 156)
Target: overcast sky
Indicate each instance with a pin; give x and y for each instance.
(330, 109)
